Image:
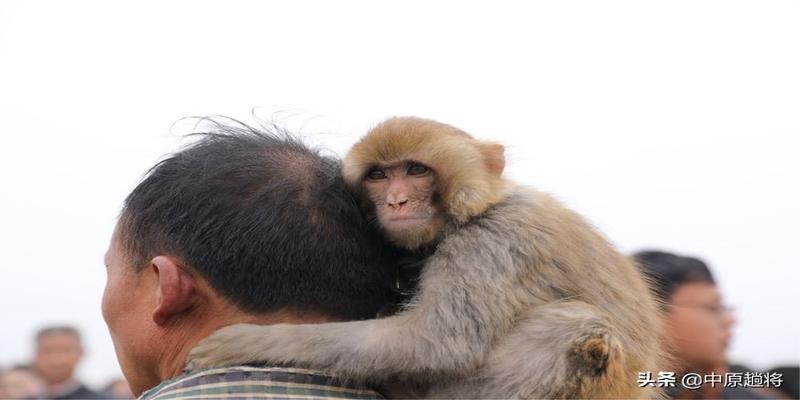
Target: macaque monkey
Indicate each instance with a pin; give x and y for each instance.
(518, 296)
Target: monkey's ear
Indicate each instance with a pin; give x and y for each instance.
(494, 157)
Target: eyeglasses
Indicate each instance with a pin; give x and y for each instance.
(716, 309)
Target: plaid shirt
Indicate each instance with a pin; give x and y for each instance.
(244, 382)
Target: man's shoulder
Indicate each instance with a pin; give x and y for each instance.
(258, 383)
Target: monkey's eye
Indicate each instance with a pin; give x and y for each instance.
(417, 169)
(376, 174)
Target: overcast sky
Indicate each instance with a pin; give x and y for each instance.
(670, 125)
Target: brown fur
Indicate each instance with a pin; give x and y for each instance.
(464, 166)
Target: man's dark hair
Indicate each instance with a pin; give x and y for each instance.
(667, 271)
(57, 329)
(265, 219)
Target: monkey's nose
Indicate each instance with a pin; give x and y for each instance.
(398, 203)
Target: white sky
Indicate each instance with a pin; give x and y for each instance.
(668, 124)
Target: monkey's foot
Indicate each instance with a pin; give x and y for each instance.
(592, 351)
(225, 347)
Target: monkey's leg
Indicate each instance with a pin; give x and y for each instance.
(557, 350)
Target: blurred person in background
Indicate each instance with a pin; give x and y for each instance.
(698, 328)
(21, 382)
(58, 352)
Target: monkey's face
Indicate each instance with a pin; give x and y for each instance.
(402, 194)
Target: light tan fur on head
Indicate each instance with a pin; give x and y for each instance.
(468, 170)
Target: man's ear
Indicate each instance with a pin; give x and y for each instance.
(176, 289)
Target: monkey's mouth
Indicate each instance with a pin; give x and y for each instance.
(406, 218)
(406, 221)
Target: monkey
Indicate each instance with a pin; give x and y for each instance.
(518, 296)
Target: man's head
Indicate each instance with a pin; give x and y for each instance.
(239, 226)
(698, 324)
(58, 352)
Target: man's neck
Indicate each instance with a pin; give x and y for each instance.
(172, 359)
(176, 344)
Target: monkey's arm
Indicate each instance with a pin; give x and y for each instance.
(447, 331)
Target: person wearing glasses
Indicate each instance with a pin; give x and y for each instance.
(698, 324)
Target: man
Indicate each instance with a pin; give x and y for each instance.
(241, 226)
(698, 324)
(58, 352)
